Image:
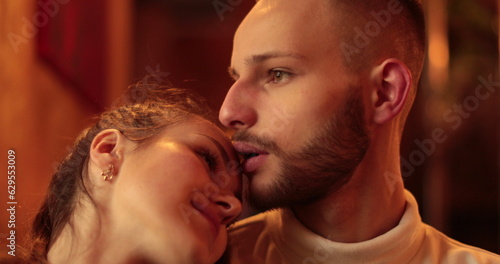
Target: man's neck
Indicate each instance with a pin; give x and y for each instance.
(369, 205)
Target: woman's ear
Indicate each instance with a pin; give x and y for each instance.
(392, 82)
(106, 154)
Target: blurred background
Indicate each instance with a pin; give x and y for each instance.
(63, 61)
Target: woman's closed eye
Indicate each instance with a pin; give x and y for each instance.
(210, 158)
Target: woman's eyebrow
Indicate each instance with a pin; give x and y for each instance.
(221, 149)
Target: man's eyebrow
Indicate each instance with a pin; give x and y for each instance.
(258, 58)
(221, 149)
(271, 55)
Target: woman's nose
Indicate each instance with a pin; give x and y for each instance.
(228, 207)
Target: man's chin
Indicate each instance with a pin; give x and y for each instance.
(263, 196)
(262, 205)
(269, 195)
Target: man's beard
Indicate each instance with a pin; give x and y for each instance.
(323, 164)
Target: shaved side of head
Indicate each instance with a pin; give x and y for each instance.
(372, 31)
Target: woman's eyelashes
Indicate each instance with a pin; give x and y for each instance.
(210, 158)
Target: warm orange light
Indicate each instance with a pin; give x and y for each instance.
(439, 54)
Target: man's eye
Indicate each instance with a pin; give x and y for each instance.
(278, 76)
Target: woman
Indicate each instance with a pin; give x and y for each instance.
(153, 181)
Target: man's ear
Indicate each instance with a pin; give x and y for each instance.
(392, 82)
(107, 149)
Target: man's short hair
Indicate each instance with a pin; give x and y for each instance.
(371, 31)
(379, 28)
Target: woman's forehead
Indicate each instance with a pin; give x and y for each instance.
(196, 126)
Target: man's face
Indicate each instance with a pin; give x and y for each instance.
(297, 112)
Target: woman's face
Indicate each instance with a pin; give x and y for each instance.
(174, 197)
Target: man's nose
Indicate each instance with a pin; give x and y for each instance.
(237, 111)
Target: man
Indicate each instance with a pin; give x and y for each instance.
(321, 94)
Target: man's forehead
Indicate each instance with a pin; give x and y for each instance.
(272, 21)
(283, 13)
(263, 6)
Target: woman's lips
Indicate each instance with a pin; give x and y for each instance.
(254, 156)
(212, 218)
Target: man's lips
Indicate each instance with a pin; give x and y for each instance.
(254, 156)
